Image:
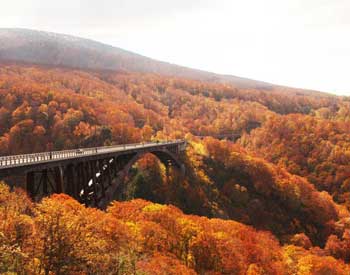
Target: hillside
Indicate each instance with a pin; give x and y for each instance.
(309, 146)
(278, 192)
(140, 237)
(53, 109)
(63, 50)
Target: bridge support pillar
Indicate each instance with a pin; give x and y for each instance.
(71, 182)
(79, 181)
(109, 174)
(45, 181)
(84, 181)
(58, 175)
(30, 184)
(93, 169)
(101, 178)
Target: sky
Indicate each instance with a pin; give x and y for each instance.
(298, 43)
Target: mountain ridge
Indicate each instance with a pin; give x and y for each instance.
(49, 48)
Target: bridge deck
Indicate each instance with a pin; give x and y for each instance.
(15, 161)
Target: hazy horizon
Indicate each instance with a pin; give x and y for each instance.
(297, 43)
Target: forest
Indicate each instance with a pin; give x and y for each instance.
(266, 191)
(60, 235)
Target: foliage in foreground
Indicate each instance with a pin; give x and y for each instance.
(60, 236)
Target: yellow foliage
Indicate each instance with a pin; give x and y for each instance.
(153, 207)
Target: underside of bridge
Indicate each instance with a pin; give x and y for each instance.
(93, 182)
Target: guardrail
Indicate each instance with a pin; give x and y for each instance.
(25, 159)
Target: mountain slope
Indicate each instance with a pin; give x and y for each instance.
(53, 109)
(63, 50)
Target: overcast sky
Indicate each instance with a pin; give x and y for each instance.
(300, 43)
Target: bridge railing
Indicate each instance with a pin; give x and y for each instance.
(25, 159)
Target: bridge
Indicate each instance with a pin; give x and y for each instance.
(90, 175)
(230, 136)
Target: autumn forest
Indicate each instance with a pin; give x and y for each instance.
(266, 188)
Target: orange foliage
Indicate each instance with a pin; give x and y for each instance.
(60, 236)
(315, 148)
(271, 178)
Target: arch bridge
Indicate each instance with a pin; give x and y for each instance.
(90, 175)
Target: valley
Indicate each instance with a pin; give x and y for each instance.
(272, 200)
